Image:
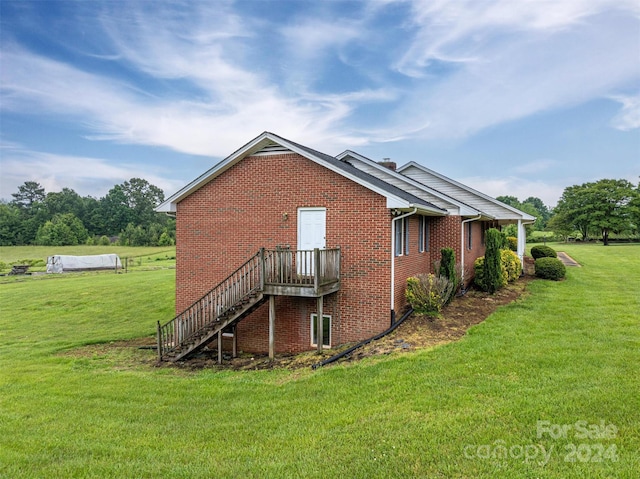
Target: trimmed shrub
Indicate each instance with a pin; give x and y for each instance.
(542, 251)
(512, 243)
(428, 293)
(511, 264)
(550, 268)
(448, 268)
(479, 276)
(493, 276)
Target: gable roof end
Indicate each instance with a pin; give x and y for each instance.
(396, 198)
(473, 197)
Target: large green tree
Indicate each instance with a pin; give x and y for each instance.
(142, 198)
(29, 200)
(28, 193)
(10, 225)
(533, 206)
(62, 230)
(605, 205)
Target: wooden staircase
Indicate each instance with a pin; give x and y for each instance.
(267, 273)
(221, 307)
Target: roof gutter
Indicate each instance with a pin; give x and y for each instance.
(394, 225)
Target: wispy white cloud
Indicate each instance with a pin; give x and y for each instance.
(205, 77)
(85, 175)
(113, 110)
(629, 116)
(537, 166)
(515, 60)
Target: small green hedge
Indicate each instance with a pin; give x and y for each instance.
(550, 268)
(542, 251)
(511, 263)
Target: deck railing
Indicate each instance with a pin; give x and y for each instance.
(281, 267)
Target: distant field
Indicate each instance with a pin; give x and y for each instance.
(138, 256)
(566, 357)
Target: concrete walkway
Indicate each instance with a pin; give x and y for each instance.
(567, 260)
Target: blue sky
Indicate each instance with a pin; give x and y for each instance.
(510, 97)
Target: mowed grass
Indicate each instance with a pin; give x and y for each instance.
(137, 257)
(567, 352)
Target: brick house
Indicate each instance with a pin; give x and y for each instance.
(285, 235)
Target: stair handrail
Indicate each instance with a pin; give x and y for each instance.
(244, 281)
(265, 267)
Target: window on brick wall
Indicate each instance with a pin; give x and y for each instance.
(423, 234)
(469, 235)
(326, 330)
(402, 236)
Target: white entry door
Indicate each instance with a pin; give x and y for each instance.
(312, 233)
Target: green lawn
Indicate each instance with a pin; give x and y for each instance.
(566, 356)
(145, 257)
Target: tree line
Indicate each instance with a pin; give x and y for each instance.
(590, 210)
(124, 215)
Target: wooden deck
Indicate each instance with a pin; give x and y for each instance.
(269, 273)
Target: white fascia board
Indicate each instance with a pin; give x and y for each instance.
(169, 205)
(394, 204)
(463, 209)
(521, 214)
(393, 200)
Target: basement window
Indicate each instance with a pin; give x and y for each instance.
(326, 330)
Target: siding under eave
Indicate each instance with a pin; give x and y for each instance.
(403, 185)
(450, 189)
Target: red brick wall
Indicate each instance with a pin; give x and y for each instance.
(226, 221)
(412, 264)
(477, 246)
(447, 232)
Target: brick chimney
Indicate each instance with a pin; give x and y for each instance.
(387, 163)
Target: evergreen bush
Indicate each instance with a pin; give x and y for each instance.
(479, 276)
(493, 275)
(550, 268)
(543, 251)
(447, 268)
(512, 243)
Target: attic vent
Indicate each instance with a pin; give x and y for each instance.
(271, 149)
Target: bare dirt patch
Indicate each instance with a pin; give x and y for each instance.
(417, 332)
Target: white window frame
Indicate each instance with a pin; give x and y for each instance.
(399, 237)
(423, 234)
(313, 330)
(405, 235)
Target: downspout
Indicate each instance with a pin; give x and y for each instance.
(393, 260)
(463, 245)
